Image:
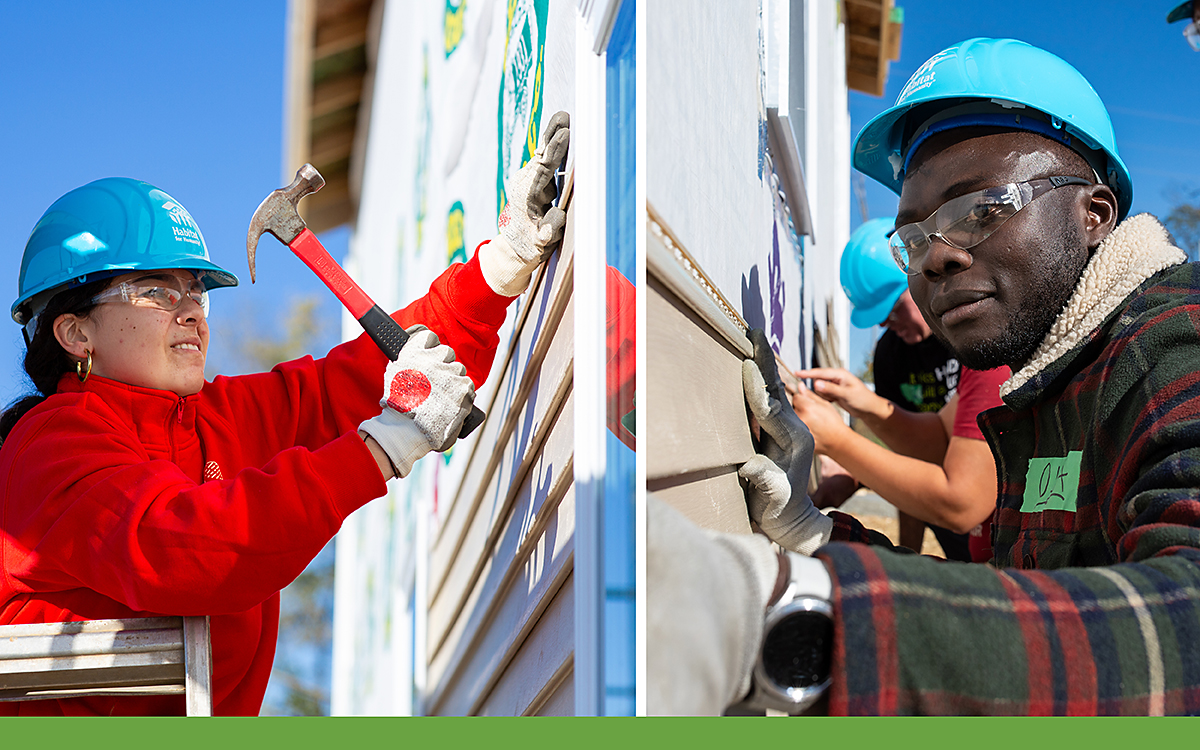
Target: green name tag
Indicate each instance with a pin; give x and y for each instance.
(1052, 483)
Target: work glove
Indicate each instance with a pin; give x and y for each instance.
(778, 477)
(426, 397)
(706, 597)
(529, 226)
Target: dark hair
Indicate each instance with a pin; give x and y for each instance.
(45, 359)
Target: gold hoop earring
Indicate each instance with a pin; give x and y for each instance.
(83, 376)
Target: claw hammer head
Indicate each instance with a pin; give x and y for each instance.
(278, 215)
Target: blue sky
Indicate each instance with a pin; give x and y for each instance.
(187, 96)
(1142, 69)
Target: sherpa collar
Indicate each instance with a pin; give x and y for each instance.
(1136, 250)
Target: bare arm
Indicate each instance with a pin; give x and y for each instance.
(917, 434)
(958, 493)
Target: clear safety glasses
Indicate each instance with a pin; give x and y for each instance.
(969, 219)
(156, 292)
(1191, 32)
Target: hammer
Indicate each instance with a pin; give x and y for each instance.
(277, 215)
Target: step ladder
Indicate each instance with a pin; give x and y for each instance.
(140, 656)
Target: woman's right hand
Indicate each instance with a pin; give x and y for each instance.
(847, 391)
(426, 397)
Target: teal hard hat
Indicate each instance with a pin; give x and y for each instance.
(870, 277)
(1180, 12)
(105, 228)
(999, 83)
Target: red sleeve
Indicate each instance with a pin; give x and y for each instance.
(98, 514)
(978, 390)
(620, 343)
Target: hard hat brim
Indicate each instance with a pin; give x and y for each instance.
(1181, 12)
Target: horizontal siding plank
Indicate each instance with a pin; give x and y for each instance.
(504, 608)
(712, 499)
(548, 340)
(539, 313)
(541, 658)
(547, 388)
(561, 702)
(696, 411)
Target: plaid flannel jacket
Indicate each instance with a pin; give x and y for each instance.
(1093, 606)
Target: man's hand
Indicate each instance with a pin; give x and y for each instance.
(847, 391)
(706, 596)
(529, 226)
(426, 397)
(779, 476)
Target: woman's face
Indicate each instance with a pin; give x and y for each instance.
(148, 346)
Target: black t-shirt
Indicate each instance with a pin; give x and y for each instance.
(920, 377)
(917, 377)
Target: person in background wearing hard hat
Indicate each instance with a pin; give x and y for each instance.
(1182, 12)
(133, 488)
(1012, 226)
(912, 372)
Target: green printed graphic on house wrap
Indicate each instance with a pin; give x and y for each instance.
(453, 25)
(520, 107)
(456, 245)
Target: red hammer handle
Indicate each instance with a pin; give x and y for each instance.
(309, 249)
(385, 332)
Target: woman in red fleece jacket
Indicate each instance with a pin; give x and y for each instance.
(130, 487)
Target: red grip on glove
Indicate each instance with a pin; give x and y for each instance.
(408, 390)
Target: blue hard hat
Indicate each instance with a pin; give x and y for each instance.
(1180, 12)
(870, 277)
(1002, 83)
(106, 228)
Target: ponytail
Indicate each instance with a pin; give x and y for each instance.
(45, 359)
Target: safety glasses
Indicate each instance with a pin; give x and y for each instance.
(969, 219)
(1191, 32)
(156, 292)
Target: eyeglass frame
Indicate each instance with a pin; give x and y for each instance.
(1191, 33)
(928, 227)
(128, 292)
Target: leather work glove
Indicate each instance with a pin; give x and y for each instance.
(426, 397)
(778, 476)
(529, 226)
(706, 597)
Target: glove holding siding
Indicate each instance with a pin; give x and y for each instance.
(426, 397)
(706, 598)
(778, 476)
(529, 226)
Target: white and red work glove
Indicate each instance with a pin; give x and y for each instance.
(706, 599)
(778, 477)
(529, 225)
(426, 397)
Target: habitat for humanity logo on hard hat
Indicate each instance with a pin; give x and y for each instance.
(186, 229)
(925, 75)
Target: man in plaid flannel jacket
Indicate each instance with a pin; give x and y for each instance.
(1092, 602)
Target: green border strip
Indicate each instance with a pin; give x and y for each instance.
(807, 733)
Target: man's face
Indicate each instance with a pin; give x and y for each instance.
(993, 304)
